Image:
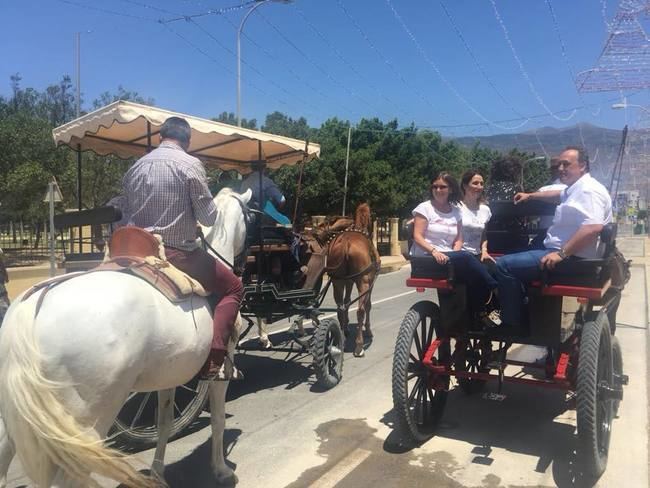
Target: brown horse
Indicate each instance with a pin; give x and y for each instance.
(348, 256)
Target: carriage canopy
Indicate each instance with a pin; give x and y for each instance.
(128, 129)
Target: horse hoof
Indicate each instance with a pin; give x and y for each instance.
(227, 478)
(359, 353)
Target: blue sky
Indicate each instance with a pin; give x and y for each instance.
(311, 58)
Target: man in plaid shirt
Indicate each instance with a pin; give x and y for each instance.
(166, 192)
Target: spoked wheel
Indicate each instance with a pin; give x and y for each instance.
(327, 349)
(473, 358)
(594, 396)
(419, 396)
(136, 424)
(617, 364)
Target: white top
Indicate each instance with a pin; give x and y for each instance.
(586, 202)
(441, 230)
(546, 221)
(474, 222)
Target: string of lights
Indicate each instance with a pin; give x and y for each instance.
(442, 78)
(106, 11)
(313, 63)
(251, 67)
(477, 63)
(347, 63)
(386, 61)
(149, 7)
(219, 11)
(523, 71)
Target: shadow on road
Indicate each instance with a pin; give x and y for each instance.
(530, 421)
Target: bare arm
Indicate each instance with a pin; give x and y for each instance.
(458, 241)
(552, 196)
(419, 226)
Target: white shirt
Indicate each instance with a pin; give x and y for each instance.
(586, 202)
(474, 222)
(441, 230)
(546, 221)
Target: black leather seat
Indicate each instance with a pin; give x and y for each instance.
(428, 267)
(591, 273)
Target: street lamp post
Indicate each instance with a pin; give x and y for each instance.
(258, 4)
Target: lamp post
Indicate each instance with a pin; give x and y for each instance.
(257, 4)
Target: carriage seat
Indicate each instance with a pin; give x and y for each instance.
(427, 273)
(588, 278)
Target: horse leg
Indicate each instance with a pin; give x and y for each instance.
(367, 307)
(263, 334)
(342, 314)
(362, 287)
(7, 453)
(165, 421)
(224, 474)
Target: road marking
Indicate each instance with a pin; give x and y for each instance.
(340, 470)
(330, 315)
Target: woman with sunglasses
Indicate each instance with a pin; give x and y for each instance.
(438, 232)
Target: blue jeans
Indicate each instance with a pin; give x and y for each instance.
(514, 271)
(471, 272)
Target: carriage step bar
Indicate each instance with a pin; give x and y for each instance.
(607, 392)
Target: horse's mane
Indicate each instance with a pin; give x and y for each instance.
(218, 230)
(362, 217)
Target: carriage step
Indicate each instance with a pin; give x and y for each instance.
(606, 392)
(621, 379)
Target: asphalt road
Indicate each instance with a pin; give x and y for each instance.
(283, 432)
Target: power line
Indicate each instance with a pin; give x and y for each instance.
(478, 65)
(312, 62)
(382, 57)
(349, 65)
(149, 7)
(523, 71)
(442, 78)
(219, 11)
(250, 66)
(106, 11)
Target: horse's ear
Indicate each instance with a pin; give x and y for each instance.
(246, 196)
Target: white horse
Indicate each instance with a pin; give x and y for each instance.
(67, 368)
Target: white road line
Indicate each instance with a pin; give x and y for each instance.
(373, 303)
(330, 315)
(341, 469)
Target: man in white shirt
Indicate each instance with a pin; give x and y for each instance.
(584, 208)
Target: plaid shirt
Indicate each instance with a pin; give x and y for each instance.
(166, 192)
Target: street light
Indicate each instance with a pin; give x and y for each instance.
(624, 104)
(257, 4)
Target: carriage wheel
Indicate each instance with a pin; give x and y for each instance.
(327, 349)
(473, 358)
(136, 424)
(617, 365)
(594, 401)
(418, 398)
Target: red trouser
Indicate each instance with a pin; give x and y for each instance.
(218, 279)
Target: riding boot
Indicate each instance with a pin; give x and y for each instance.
(212, 366)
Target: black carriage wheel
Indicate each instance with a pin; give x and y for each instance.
(617, 365)
(594, 408)
(328, 344)
(473, 358)
(136, 424)
(417, 404)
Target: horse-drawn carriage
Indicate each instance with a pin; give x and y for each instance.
(571, 313)
(275, 284)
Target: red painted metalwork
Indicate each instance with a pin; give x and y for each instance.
(428, 283)
(572, 291)
(428, 356)
(562, 365)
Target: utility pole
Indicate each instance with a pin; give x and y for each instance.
(347, 164)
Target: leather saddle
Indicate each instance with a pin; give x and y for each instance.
(133, 242)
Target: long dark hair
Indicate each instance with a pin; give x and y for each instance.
(466, 178)
(454, 190)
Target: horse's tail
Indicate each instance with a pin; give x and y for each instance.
(45, 434)
(362, 217)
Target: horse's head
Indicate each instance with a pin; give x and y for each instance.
(228, 234)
